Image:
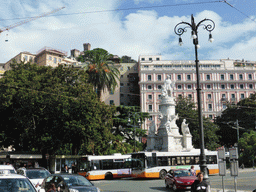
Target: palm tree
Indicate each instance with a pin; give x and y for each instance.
(102, 71)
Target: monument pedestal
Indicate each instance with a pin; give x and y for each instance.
(187, 142)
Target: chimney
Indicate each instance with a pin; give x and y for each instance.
(87, 46)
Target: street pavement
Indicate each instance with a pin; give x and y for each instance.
(245, 170)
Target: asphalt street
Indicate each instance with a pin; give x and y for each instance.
(246, 182)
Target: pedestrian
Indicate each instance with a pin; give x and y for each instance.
(65, 170)
(199, 185)
(192, 170)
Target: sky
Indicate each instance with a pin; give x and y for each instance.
(130, 27)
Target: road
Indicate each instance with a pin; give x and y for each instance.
(246, 181)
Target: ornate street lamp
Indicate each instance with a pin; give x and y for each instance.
(208, 25)
(135, 117)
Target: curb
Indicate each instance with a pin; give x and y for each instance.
(228, 190)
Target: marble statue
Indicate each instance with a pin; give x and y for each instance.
(168, 86)
(184, 128)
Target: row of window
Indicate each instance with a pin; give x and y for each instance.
(54, 59)
(129, 68)
(208, 77)
(150, 59)
(208, 86)
(25, 58)
(209, 96)
(183, 66)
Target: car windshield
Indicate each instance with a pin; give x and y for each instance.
(16, 185)
(76, 180)
(37, 174)
(182, 173)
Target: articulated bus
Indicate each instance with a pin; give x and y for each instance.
(105, 166)
(157, 164)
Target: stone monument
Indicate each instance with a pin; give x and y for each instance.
(168, 137)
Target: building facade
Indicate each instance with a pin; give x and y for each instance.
(221, 82)
(129, 87)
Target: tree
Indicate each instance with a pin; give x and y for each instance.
(244, 112)
(124, 132)
(186, 110)
(53, 109)
(102, 71)
(247, 146)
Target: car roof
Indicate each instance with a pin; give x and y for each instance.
(12, 176)
(32, 168)
(65, 174)
(6, 167)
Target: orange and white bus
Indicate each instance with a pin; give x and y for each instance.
(95, 167)
(157, 164)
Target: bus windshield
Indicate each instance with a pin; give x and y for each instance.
(138, 161)
(84, 165)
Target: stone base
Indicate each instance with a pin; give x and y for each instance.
(187, 142)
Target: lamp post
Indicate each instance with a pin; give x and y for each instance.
(135, 117)
(179, 29)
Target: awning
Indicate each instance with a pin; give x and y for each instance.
(26, 156)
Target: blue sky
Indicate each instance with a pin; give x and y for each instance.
(138, 27)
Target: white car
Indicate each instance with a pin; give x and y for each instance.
(15, 182)
(8, 168)
(36, 175)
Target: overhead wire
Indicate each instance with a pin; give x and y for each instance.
(122, 9)
(225, 1)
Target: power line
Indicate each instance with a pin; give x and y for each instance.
(123, 9)
(225, 1)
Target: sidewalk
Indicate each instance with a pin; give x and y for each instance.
(228, 190)
(232, 190)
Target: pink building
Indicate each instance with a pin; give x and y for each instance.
(221, 81)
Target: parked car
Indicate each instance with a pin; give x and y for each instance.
(179, 179)
(15, 183)
(8, 168)
(36, 175)
(68, 183)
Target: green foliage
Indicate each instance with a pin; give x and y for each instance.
(247, 146)
(186, 110)
(244, 112)
(124, 130)
(53, 109)
(102, 71)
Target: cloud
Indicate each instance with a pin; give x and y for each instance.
(138, 32)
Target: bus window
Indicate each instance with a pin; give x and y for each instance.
(169, 161)
(187, 161)
(211, 159)
(95, 164)
(174, 161)
(197, 160)
(183, 161)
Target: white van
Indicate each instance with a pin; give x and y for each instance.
(8, 168)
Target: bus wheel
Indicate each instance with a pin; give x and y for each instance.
(162, 174)
(108, 176)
